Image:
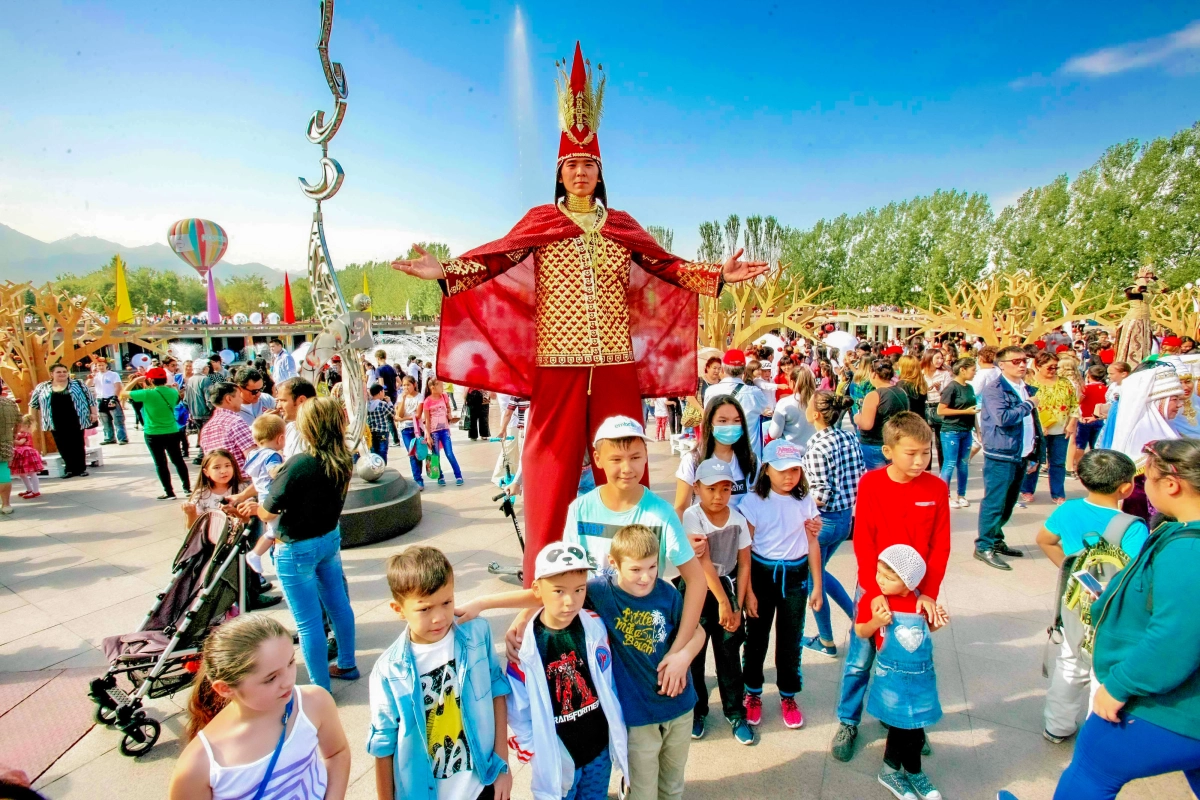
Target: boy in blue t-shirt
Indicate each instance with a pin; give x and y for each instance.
(1108, 477)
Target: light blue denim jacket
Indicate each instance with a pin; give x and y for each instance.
(398, 709)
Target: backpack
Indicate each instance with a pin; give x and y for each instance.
(1103, 557)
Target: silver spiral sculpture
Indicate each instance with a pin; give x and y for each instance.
(345, 332)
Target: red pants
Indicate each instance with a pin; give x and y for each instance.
(563, 417)
(660, 431)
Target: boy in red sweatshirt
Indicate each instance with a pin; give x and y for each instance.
(897, 504)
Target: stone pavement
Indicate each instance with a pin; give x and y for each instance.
(83, 562)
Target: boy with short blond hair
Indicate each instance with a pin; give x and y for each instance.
(901, 504)
(262, 464)
(439, 722)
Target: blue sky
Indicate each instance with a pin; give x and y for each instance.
(128, 115)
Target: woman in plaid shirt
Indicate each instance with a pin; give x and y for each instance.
(833, 464)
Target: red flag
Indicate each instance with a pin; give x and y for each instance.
(289, 313)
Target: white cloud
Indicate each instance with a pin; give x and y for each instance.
(1136, 55)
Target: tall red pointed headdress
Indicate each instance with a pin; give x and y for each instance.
(579, 108)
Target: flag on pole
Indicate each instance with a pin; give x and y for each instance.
(289, 313)
(366, 288)
(407, 313)
(124, 307)
(214, 311)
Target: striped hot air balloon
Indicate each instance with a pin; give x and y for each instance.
(201, 243)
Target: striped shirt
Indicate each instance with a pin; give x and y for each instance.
(81, 396)
(833, 465)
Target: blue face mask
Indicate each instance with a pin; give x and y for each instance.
(727, 434)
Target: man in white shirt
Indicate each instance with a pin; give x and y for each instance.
(283, 366)
(413, 368)
(289, 396)
(107, 386)
(754, 403)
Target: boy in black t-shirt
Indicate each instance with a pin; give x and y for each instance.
(563, 708)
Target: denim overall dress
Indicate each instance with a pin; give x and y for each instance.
(904, 690)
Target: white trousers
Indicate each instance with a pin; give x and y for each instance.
(1069, 697)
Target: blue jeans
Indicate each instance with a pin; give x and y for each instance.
(591, 780)
(1001, 485)
(408, 435)
(1087, 434)
(379, 444)
(441, 441)
(113, 420)
(860, 655)
(1109, 755)
(956, 454)
(1056, 457)
(310, 572)
(873, 456)
(835, 528)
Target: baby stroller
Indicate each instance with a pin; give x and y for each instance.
(208, 584)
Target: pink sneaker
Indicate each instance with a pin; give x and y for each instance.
(793, 717)
(753, 705)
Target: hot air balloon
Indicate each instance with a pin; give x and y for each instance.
(201, 243)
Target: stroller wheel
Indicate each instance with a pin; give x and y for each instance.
(147, 730)
(105, 715)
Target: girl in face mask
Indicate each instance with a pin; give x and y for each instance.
(723, 435)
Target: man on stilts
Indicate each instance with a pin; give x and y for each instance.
(577, 308)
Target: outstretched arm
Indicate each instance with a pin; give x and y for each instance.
(459, 274)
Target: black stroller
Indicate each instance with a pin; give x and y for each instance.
(208, 579)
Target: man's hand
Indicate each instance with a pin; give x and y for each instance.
(813, 526)
(673, 673)
(699, 544)
(735, 271)
(1033, 399)
(502, 788)
(426, 267)
(1106, 706)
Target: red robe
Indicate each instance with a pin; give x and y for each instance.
(487, 338)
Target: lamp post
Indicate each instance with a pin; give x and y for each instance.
(170, 304)
(262, 309)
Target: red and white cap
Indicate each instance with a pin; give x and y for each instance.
(734, 358)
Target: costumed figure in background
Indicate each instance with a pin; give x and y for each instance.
(1135, 339)
(577, 308)
(1187, 422)
(1150, 398)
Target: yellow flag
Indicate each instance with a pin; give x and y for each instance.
(366, 288)
(124, 308)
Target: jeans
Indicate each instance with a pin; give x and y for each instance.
(781, 597)
(591, 780)
(860, 655)
(162, 446)
(1056, 456)
(112, 419)
(379, 444)
(1087, 434)
(441, 441)
(1001, 485)
(873, 456)
(408, 435)
(835, 529)
(310, 572)
(956, 452)
(727, 656)
(1109, 755)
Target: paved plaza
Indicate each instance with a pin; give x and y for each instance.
(84, 561)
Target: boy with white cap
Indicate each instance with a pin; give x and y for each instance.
(728, 538)
(563, 709)
(904, 692)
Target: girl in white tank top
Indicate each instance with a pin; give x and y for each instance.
(246, 681)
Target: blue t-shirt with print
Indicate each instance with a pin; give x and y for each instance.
(641, 631)
(1074, 519)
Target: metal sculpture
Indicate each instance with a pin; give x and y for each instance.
(345, 333)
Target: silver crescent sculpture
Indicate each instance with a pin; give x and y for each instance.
(340, 335)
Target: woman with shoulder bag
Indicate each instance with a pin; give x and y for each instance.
(163, 435)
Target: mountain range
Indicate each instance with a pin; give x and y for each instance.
(24, 258)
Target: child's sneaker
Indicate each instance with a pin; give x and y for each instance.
(897, 783)
(1052, 738)
(742, 732)
(815, 644)
(458, 481)
(924, 787)
(753, 704)
(697, 726)
(793, 717)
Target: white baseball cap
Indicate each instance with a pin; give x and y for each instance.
(559, 557)
(620, 428)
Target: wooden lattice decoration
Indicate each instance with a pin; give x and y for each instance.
(1006, 308)
(778, 300)
(1178, 311)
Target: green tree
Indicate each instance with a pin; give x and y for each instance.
(664, 236)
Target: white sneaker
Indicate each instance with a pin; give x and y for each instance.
(964, 502)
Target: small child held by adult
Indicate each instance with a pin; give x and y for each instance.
(270, 434)
(904, 693)
(784, 525)
(439, 721)
(727, 535)
(1075, 526)
(250, 725)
